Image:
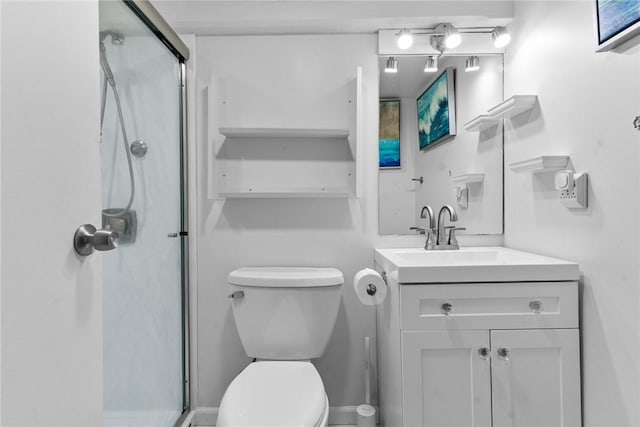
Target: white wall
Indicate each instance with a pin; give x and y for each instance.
(587, 104)
(316, 232)
(51, 299)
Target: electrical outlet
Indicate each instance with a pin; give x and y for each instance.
(576, 196)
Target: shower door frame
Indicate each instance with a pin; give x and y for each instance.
(150, 17)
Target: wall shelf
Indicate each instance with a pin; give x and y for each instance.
(540, 164)
(288, 154)
(249, 132)
(467, 178)
(511, 107)
(288, 193)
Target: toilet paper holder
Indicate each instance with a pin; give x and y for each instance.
(372, 289)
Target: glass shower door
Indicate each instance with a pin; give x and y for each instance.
(144, 374)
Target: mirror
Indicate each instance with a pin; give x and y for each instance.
(470, 162)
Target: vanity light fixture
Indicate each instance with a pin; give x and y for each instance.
(392, 65)
(405, 39)
(431, 66)
(500, 37)
(447, 36)
(472, 64)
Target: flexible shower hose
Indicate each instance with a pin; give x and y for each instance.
(110, 80)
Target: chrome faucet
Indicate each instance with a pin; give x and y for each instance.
(430, 230)
(431, 227)
(444, 241)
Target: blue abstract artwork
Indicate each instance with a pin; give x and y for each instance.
(435, 111)
(390, 153)
(389, 135)
(615, 16)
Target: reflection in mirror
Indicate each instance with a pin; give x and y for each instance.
(444, 166)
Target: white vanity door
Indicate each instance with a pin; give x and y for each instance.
(446, 378)
(536, 378)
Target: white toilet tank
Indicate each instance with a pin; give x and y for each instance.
(285, 313)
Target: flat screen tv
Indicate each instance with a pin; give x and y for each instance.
(437, 111)
(616, 22)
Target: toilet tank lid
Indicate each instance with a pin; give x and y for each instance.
(286, 277)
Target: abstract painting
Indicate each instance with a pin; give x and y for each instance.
(436, 111)
(617, 21)
(389, 135)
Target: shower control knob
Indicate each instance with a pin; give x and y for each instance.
(87, 239)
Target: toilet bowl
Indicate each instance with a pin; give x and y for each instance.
(285, 317)
(275, 394)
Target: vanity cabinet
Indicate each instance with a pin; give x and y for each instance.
(479, 354)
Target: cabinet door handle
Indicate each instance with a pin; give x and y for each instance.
(446, 308)
(536, 306)
(504, 354)
(484, 353)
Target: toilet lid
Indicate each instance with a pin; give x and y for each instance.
(274, 393)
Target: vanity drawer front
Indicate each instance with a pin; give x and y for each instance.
(527, 305)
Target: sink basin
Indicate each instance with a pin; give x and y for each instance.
(472, 264)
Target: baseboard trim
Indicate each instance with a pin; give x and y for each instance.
(338, 415)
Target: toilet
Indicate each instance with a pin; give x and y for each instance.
(285, 317)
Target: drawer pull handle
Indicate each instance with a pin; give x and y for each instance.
(446, 308)
(504, 354)
(536, 306)
(484, 353)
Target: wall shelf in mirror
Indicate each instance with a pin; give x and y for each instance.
(481, 122)
(250, 132)
(511, 107)
(540, 164)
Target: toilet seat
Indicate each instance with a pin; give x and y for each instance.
(275, 393)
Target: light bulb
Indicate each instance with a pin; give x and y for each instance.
(501, 37)
(431, 66)
(405, 39)
(392, 65)
(452, 38)
(472, 64)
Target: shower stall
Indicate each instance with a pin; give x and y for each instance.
(144, 201)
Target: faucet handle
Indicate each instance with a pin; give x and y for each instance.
(420, 230)
(452, 235)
